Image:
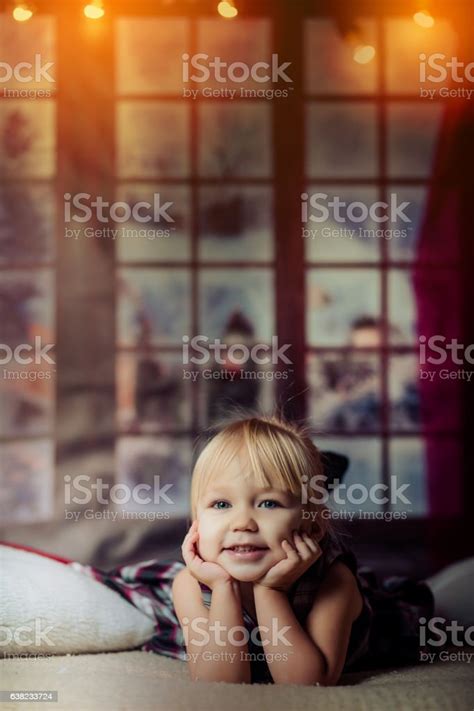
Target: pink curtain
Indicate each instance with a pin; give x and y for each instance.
(441, 299)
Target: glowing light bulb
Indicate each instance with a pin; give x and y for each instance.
(364, 53)
(424, 19)
(94, 10)
(226, 8)
(22, 13)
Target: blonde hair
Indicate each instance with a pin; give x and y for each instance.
(281, 455)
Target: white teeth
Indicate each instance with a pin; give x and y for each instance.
(244, 549)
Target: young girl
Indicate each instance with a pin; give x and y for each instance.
(268, 591)
(263, 560)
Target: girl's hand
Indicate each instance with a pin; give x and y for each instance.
(208, 573)
(299, 557)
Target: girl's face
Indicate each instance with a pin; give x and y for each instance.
(234, 511)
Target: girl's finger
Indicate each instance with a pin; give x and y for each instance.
(190, 555)
(192, 528)
(189, 543)
(312, 544)
(192, 541)
(289, 550)
(186, 538)
(301, 546)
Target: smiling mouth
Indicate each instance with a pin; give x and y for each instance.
(246, 549)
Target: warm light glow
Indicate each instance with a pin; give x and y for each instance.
(226, 8)
(424, 19)
(364, 53)
(22, 13)
(94, 10)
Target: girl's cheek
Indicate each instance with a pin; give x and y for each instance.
(291, 521)
(208, 538)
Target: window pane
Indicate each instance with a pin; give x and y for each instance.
(26, 481)
(235, 140)
(27, 379)
(148, 54)
(152, 393)
(343, 307)
(166, 236)
(404, 393)
(152, 139)
(27, 223)
(341, 143)
(236, 224)
(26, 398)
(405, 42)
(365, 469)
(337, 231)
(330, 67)
(412, 135)
(344, 391)
(23, 42)
(244, 41)
(26, 307)
(404, 247)
(237, 302)
(402, 307)
(407, 464)
(224, 388)
(441, 384)
(28, 144)
(154, 306)
(164, 466)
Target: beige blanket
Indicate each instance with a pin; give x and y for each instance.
(140, 681)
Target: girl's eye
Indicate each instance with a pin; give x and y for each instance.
(271, 504)
(217, 504)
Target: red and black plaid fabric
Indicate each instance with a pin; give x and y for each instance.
(385, 632)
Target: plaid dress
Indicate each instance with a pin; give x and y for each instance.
(385, 633)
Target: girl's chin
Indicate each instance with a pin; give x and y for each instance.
(246, 572)
(243, 576)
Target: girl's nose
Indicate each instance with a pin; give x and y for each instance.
(244, 521)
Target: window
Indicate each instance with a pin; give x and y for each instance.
(207, 269)
(210, 236)
(369, 138)
(27, 268)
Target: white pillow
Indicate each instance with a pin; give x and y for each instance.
(47, 607)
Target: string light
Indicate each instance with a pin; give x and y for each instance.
(94, 10)
(22, 12)
(227, 8)
(353, 35)
(424, 19)
(363, 53)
